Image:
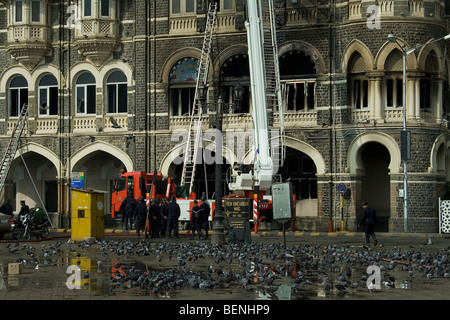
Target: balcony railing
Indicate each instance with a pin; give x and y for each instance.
(113, 122)
(84, 123)
(47, 125)
(225, 22)
(244, 120)
(183, 25)
(300, 16)
(27, 32)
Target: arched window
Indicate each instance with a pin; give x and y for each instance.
(18, 95)
(298, 76)
(358, 83)
(116, 98)
(48, 96)
(235, 71)
(394, 79)
(85, 94)
(182, 80)
(428, 89)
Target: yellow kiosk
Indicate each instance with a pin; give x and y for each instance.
(88, 214)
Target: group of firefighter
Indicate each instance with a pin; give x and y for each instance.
(161, 216)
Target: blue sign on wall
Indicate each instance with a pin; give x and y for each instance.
(77, 180)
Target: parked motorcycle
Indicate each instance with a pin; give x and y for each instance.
(33, 227)
(17, 227)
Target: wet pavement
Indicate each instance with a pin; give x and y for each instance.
(312, 266)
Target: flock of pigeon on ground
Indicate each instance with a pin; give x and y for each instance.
(156, 267)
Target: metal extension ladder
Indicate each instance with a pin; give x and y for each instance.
(194, 138)
(13, 145)
(273, 86)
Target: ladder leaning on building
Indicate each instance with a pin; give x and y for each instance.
(194, 135)
(13, 144)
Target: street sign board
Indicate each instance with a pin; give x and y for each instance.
(77, 180)
(238, 208)
(238, 211)
(342, 188)
(282, 201)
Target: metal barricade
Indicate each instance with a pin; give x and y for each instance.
(444, 216)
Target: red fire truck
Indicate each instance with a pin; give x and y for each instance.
(140, 183)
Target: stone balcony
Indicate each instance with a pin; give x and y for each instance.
(225, 22)
(244, 120)
(394, 115)
(28, 43)
(96, 39)
(85, 123)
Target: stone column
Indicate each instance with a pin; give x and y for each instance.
(437, 97)
(410, 98)
(375, 95)
(413, 95)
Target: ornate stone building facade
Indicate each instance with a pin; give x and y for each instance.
(109, 83)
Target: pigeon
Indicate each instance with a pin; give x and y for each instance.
(355, 285)
(341, 289)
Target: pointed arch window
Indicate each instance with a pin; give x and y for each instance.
(358, 83)
(393, 84)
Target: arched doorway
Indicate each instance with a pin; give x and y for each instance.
(33, 178)
(100, 170)
(375, 182)
(300, 169)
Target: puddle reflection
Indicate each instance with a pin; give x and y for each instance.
(116, 274)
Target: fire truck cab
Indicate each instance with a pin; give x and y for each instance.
(140, 183)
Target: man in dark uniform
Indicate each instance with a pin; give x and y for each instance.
(127, 207)
(369, 218)
(196, 222)
(141, 216)
(154, 216)
(173, 213)
(6, 208)
(24, 209)
(204, 214)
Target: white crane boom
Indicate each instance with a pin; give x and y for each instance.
(262, 159)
